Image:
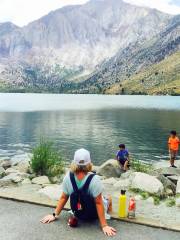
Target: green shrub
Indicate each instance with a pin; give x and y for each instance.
(156, 200)
(47, 160)
(139, 166)
(170, 202)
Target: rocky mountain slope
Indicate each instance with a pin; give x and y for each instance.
(84, 48)
(134, 59)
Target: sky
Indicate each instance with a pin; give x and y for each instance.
(21, 12)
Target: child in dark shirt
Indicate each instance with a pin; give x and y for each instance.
(122, 157)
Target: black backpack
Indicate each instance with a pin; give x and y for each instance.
(82, 203)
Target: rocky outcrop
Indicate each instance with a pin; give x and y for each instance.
(41, 180)
(147, 183)
(178, 187)
(110, 169)
(167, 183)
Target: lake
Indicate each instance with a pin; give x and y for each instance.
(96, 122)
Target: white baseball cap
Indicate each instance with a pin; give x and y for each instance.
(82, 157)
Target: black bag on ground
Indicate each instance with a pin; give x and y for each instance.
(82, 203)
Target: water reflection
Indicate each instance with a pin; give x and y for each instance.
(144, 132)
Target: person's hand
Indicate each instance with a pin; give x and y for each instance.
(109, 231)
(48, 219)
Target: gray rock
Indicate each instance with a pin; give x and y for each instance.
(23, 166)
(20, 158)
(173, 179)
(53, 192)
(11, 170)
(26, 181)
(123, 184)
(5, 164)
(2, 172)
(41, 180)
(178, 202)
(168, 171)
(147, 183)
(167, 183)
(6, 182)
(150, 200)
(110, 169)
(178, 186)
(110, 181)
(14, 177)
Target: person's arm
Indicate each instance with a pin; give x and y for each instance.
(61, 203)
(109, 231)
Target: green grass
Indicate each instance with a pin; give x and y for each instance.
(139, 166)
(47, 160)
(170, 202)
(156, 200)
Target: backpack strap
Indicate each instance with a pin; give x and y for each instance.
(73, 182)
(88, 181)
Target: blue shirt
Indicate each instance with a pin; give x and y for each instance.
(122, 154)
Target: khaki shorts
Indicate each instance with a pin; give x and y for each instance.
(173, 154)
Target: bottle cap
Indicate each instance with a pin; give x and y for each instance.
(123, 192)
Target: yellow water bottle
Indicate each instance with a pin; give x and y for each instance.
(122, 204)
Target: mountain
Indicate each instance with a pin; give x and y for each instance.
(134, 59)
(83, 48)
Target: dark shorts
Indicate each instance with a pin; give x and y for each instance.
(122, 161)
(173, 154)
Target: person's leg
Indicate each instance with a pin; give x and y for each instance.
(172, 157)
(126, 166)
(109, 210)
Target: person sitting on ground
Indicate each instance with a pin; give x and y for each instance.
(173, 145)
(85, 191)
(122, 157)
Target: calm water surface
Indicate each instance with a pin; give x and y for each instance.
(98, 123)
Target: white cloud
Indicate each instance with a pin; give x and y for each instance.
(168, 6)
(22, 12)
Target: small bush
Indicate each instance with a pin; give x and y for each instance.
(139, 166)
(171, 202)
(156, 200)
(47, 160)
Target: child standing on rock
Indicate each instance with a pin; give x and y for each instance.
(85, 192)
(173, 145)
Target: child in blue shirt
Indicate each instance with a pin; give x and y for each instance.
(122, 157)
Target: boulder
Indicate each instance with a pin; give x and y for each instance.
(26, 181)
(147, 183)
(2, 172)
(41, 180)
(167, 183)
(20, 158)
(150, 200)
(123, 184)
(95, 169)
(168, 171)
(11, 170)
(110, 181)
(13, 177)
(23, 166)
(178, 202)
(173, 179)
(5, 182)
(53, 192)
(5, 164)
(178, 186)
(110, 169)
(128, 174)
